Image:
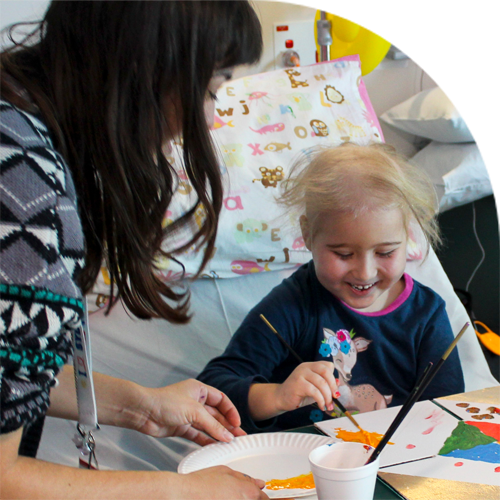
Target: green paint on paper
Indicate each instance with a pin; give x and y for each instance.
(464, 437)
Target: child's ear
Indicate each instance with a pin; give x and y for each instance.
(306, 231)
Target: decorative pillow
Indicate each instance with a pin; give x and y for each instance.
(457, 171)
(429, 114)
(262, 123)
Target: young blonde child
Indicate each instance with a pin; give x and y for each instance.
(365, 329)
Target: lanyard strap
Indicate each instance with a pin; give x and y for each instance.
(85, 394)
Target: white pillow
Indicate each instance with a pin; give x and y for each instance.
(457, 171)
(262, 123)
(429, 114)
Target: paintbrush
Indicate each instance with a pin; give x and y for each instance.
(299, 359)
(424, 380)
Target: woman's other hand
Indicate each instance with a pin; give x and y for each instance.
(220, 482)
(188, 409)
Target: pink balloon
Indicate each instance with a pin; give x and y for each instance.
(397, 2)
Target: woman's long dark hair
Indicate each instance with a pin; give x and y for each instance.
(105, 75)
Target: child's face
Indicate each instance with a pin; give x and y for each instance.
(360, 260)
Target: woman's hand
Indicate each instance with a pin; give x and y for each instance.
(307, 383)
(220, 482)
(188, 409)
(50, 480)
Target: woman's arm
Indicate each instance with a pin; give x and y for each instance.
(188, 409)
(29, 478)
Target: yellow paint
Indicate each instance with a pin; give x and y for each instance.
(304, 481)
(362, 436)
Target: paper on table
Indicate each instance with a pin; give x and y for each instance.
(471, 411)
(472, 450)
(420, 435)
(443, 467)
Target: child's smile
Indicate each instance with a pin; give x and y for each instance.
(362, 289)
(361, 259)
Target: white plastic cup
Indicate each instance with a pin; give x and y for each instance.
(340, 472)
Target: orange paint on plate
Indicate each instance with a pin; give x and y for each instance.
(304, 481)
(362, 436)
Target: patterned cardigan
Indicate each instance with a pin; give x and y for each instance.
(41, 254)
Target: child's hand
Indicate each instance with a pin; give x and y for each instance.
(307, 383)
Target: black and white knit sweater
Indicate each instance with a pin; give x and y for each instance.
(41, 253)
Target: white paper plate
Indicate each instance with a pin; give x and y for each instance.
(278, 455)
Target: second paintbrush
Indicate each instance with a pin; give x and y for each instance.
(425, 380)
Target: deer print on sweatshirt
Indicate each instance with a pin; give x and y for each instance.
(343, 349)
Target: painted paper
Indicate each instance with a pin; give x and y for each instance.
(471, 452)
(421, 434)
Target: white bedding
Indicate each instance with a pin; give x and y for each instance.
(156, 353)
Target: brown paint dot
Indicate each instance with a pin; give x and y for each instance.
(483, 416)
(472, 409)
(463, 405)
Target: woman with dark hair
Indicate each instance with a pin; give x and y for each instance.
(90, 101)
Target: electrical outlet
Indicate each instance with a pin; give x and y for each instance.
(297, 36)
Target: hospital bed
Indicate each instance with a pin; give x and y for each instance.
(262, 123)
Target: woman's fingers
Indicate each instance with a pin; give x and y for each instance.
(217, 399)
(214, 413)
(209, 423)
(222, 482)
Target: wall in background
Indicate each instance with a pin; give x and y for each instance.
(453, 35)
(13, 11)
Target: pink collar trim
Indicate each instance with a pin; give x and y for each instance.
(392, 307)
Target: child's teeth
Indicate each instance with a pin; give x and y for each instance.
(365, 287)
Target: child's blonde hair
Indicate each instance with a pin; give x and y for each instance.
(355, 179)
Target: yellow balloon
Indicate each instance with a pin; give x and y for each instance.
(349, 39)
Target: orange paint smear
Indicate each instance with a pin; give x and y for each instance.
(304, 481)
(362, 436)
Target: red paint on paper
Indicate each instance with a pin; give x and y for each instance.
(489, 428)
